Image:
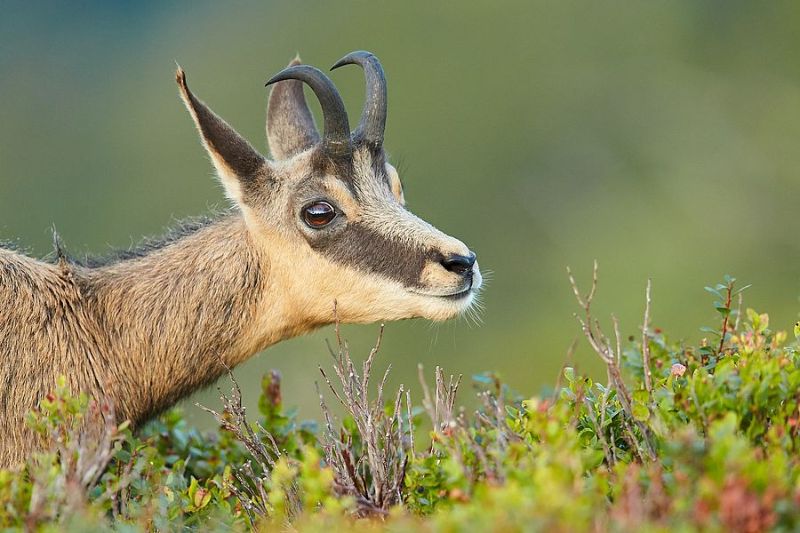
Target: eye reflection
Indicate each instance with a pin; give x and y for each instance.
(319, 214)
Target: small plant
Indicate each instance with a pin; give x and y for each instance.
(677, 436)
(259, 471)
(369, 454)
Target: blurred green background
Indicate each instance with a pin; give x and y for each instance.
(657, 137)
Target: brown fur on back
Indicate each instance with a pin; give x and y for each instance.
(143, 332)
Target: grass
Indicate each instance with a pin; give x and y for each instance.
(677, 437)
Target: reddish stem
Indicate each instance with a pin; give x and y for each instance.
(725, 318)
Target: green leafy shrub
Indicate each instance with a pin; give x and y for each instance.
(676, 437)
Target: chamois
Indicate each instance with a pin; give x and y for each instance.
(322, 223)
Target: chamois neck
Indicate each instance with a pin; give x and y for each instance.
(177, 316)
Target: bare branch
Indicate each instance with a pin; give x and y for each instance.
(646, 341)
(610, 355)
(441, 410)
(373, 470)
(263, 449)
(724, 329)
(740, 298)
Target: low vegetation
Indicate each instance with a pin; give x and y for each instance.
(677, 437)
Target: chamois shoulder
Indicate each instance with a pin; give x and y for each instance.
(26, 282)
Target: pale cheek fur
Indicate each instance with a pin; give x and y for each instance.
(358, 297)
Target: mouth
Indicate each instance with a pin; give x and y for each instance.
(457, 295)
(454, 296)
(461, 296)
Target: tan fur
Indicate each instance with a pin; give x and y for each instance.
(149, 330)
(397, 185)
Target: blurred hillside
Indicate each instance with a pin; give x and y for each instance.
(659, 138)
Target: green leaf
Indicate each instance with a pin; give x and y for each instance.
(641, 396)
(715, 292)
(641, 412)
(201, 498)
(193, 486)
(482, 378)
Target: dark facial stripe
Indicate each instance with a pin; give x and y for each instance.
(379, 166)
(360, 247)
(323, 164)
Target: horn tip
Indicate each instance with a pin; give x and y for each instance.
(352, 58)
(286, 74)
(342, 62)
(280, 76)
(292, 73)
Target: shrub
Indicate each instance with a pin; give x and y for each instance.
(676, 437)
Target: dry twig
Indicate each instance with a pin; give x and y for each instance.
(646, 342)
(250, 487)
(373, 469)
(440, 407)
(83, 449)
(610, 355)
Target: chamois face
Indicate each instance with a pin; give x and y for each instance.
(330, 212)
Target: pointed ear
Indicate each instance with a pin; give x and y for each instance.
(290, 125)
(395, 184)
(239, 166)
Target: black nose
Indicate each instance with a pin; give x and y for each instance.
(459, 264)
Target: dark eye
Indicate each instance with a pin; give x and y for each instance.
(319, 214)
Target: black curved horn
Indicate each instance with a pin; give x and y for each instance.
(336, 135)
(373, 119)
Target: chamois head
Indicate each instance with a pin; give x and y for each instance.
(328, 211)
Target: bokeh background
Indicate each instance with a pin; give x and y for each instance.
(658, 137)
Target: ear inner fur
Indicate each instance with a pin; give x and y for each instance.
(233, 156)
